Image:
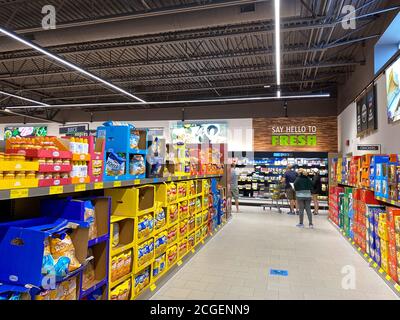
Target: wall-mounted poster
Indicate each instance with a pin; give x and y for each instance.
(25, 132)
(372, 110)
(201, 132)
(359, 104)
(367, 111)
(393, 91)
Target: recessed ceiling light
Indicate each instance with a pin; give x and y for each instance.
(267, 87)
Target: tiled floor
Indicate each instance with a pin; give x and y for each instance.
(235, 264)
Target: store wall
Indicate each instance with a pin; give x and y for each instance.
(311, 134)
(239, 135)
(387, 134)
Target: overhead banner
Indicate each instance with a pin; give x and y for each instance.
(25, 132)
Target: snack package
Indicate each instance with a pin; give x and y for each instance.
(160, 220)
(115, 165)
(171, 192)
(48, 260)
(64, 248)
(89, 276)
(173, 213)
(191, 223)
(192, 188)
(172, 234)
(198, 204)
(183, 210)
(183, 228)
(120, 265)
(114, 269)
(134, 140)
(127, 262)
(137, 165)
(90, 216)
(115, 239)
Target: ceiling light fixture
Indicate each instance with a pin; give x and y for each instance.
(22, 98)
(28, 116)
(267, 87)
(278, 44)
(110, 104)
(66, 63)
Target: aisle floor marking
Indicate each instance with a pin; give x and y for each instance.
(280, 273)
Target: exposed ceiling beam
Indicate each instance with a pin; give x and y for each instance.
(253, 29)
(169, 76)
(146, 14)
(173, 61)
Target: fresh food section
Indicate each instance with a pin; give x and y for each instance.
(118, 232)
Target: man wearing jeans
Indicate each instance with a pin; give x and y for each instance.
(288, 179)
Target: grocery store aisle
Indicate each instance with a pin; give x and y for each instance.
(236, 263)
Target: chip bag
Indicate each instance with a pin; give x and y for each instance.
(64, 248)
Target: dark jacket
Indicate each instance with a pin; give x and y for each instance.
(303, 183)
(317, 184)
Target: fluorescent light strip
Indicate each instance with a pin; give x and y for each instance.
(68, 64)
(309, 96)
(22, 98)
(278, 41)
(28, 116)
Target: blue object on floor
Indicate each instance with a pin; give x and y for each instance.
(275, 272)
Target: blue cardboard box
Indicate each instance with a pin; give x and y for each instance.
(22, 247)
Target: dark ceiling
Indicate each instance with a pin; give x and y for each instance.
(229, 58)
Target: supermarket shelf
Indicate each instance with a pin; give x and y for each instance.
(72, 188)
(169, 273)
(388, 201)
(120, 280)
(388, 280)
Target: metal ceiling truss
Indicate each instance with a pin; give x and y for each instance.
(225, 60)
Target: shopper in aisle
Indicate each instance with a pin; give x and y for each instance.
(303, 187)
(288, 179)
(316, 190)
(234, 184)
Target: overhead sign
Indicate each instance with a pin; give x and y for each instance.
(371, 148)
(73, 130)
(294, 136)
(25, 132)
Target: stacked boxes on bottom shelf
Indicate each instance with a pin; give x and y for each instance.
(393, 234)
(156, 227)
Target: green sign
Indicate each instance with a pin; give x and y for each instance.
(295, 140)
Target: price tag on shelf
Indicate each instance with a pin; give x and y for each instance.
(153, 287)
(169, 179)
(388, 278)
(179, 263)
(117, 184)
(380, 271)
(56, 190)
(99, 185)
(136, 181)
(365, 255)
(19, 193)
(369, 260)
(359, 249)
(374, 264)
(80, 187)
(193, 251)
(397, 287)
(202, 241)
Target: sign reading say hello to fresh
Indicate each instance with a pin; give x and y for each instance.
(294, 136)
(307, 134)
